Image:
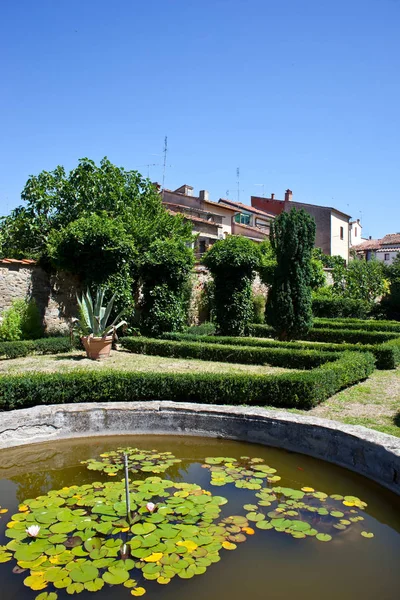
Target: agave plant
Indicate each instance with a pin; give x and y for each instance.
(94, 316)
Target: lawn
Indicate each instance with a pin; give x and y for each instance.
(127, 361)
(374, 403)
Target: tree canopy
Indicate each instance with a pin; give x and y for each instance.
(97, 221)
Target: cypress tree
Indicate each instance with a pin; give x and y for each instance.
(289, 304)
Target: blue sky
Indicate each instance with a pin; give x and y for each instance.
(299, 94)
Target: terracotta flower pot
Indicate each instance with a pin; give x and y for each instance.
(97, 348)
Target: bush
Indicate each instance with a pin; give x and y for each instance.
(335, 307)
(335, 336)
(232, 263)
(387, 355)
(258, 308)
(202, 329)
(292, 390)
(166, 271)
(357, 324)
(53, 345)
(246, 355)
(22, 321)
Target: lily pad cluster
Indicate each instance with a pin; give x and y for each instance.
(147, 461)
(246, 473)
(305, 512)
(81, 538)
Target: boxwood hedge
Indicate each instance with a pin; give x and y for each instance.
(336, 336)
(387, 355)
(393, 326)
(53, 345)
(292, 390)
(247, 355)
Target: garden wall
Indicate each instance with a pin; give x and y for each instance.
(55, 294)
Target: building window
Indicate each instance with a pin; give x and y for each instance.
(242, 218)
(341, 233)
(387, 256)
(355, 231)
(202, 246)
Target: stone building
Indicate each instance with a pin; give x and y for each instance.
(333, 226)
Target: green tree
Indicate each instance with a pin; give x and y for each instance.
(165, 273)
(289, 300)
(98, 222)
(233, 263)
(360, 280)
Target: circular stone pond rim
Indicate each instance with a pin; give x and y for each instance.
(367, 452)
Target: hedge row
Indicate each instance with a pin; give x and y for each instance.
(357, 324)
(291, 390)
(336, 336)
(246, 355)
(53, 345)
(387, 355)
(340, 307)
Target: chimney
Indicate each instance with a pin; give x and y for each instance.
(272, 196)
(370, 237)
(203, 195)
(288, 195)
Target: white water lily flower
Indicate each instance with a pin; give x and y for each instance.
(33, 530)
(151, 507)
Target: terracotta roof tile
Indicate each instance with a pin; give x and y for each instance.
(391, 238)
(22, 261)
(192, 218)
(367, 245)
(247, 207)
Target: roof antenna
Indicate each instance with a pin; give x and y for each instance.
(165, 151)
(238, 183)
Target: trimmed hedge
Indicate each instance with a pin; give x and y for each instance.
(336, 336)
(387, 355)
(291, 390)
(246, 355)
(340, 307)
(357, 324)
(54, 345)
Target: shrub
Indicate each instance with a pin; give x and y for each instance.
(357, 324)
(202, 329)
(335, 307)
(232, 263)
(258, 308)
(291, 390)
(335, 336)
(278, 357)
(387, 354)
(166, 272)
(22, 321)
(53, 345)
(289, 300)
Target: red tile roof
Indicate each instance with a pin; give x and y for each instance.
(367, 245)
(258, 229)
(391, 238)
(22, 261)
(197, 198)
(192, 218)
(247, 207)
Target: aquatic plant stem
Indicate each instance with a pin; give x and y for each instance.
(128, 500)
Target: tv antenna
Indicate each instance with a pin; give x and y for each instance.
(238, 183)
(165, 152)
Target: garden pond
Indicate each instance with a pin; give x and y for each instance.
(208, 519)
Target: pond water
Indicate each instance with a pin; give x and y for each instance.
(307, 559)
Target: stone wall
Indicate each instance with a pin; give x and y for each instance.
(54, 294)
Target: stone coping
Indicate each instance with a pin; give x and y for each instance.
(370, 453)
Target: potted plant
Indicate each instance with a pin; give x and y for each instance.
(97, 337)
